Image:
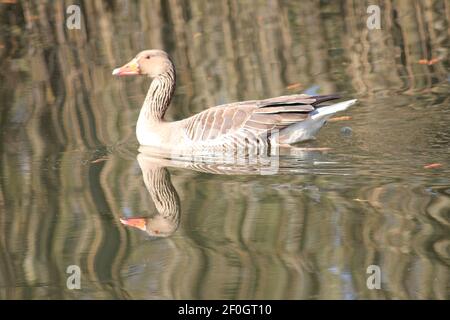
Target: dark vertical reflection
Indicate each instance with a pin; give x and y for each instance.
(68, 167)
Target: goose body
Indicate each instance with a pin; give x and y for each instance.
(251, 125)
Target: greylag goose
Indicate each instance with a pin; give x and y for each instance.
(251, 125)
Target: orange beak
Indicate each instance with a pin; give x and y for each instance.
(139, 223)
(130, 69)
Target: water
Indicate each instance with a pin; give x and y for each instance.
(69, 167)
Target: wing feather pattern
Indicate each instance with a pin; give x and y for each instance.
(250, 119)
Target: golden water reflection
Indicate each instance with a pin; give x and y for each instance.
(69, 170)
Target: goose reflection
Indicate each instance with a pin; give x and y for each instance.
(167, 202)
(157, 181)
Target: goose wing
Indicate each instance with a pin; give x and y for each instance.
(254, 118)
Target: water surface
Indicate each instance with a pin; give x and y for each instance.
(70, 167)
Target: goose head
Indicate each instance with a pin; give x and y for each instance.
(148, 62)
(157, 226)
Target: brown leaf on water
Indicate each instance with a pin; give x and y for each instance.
(294, 86)
(433, 61)
(99, 160)
(343, 118)
(433, 166)
(429, 62)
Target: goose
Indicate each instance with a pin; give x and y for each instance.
(255, 125)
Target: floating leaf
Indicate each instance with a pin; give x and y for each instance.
(294, 86)
(433, 166)
(343, 118)
(429, 62)
(433, 61)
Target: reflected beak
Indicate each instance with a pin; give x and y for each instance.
(130, 69)
(139, 223)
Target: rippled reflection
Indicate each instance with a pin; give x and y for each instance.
(307, 228)
(294, 225)
(165, 221)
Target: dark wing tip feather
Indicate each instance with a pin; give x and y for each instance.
(323, 98)
(296, 100)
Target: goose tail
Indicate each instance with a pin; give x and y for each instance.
(326, 112)
(307, 129)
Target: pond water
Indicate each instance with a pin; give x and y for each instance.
(71, 169)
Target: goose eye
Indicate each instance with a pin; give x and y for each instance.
(147, 57)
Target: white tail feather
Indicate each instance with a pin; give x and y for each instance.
(307, 129)
(329, 110)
